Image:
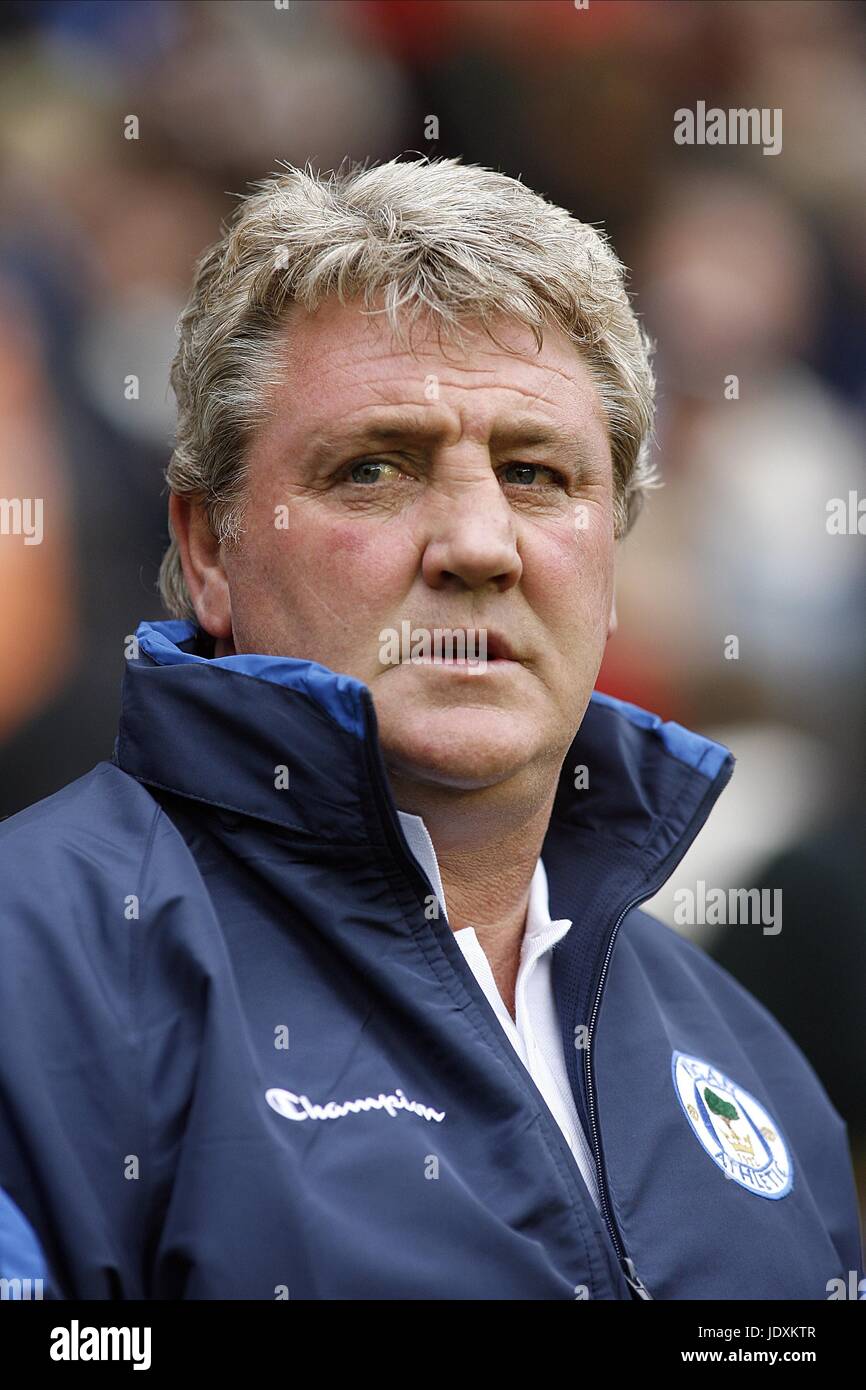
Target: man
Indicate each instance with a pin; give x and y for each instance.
(333, 982)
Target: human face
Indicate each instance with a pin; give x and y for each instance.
(447, 489)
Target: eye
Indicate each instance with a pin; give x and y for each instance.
(373, 470)
(524, 475)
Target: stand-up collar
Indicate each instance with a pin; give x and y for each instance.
(295, 744)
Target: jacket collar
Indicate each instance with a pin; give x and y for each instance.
(219, 731)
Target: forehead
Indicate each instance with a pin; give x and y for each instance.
(343, 358)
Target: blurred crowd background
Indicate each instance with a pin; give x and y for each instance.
(742, 264)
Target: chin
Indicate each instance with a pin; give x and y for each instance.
(459, 747)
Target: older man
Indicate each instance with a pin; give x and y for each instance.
(333, 982)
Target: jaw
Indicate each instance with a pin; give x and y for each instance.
(459, 746)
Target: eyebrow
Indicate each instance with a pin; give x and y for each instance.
(397, 428)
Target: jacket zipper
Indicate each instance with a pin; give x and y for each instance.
(626, 1264)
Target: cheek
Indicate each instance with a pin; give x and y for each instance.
(352, 545)
(570, 575)
(357, 566)
(359, 558)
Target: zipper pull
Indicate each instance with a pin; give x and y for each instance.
(633, 1279)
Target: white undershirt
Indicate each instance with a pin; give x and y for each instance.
(534, 1033)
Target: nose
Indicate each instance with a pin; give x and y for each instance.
(472, 540)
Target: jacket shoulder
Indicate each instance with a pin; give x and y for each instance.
(105, 799)
(73, 867)
(84, 866)
(82, 849)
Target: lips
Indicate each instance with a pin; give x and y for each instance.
(476, 648)
(484, 643)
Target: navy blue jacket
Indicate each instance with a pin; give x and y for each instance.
(242, 1057)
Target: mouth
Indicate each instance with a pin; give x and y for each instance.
(470, 649)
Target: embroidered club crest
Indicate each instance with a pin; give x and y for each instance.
(734, 1128)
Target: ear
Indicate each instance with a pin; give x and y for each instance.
(201, 556)
(612, 621)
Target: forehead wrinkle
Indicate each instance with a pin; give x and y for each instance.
(389, 421)
(397, 425)
(415, 423)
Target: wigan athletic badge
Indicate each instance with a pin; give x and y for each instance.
(734, 1128)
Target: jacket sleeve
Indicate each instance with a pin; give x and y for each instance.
(89, 1014)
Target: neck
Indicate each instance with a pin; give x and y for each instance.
(487, 845)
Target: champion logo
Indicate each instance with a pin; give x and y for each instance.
(293, 1107)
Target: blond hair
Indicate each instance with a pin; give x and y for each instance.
(421, 236)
